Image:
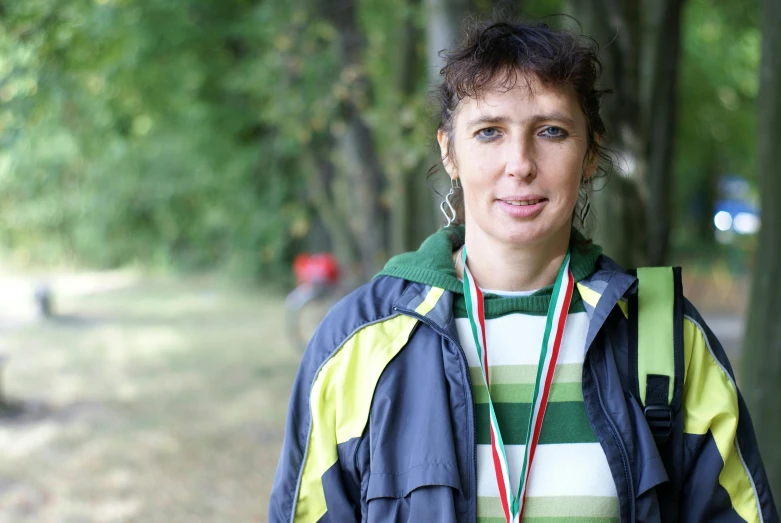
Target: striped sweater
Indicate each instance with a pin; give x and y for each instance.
(570, 479)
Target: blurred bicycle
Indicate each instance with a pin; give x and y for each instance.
(317, 278)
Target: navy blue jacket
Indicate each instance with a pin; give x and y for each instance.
(381, 425)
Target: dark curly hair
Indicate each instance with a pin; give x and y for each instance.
(505, 52)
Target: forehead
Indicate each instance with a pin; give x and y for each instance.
(520, 95)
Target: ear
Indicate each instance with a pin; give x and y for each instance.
(591, 161)
(447, 161)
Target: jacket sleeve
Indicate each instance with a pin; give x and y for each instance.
(310, 475)
(725, 479)
(283, 492)
(322, 474)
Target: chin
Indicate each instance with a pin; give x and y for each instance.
(514, 232)
(527, 234)
(521, 236)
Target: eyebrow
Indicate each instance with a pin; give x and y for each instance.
(488, 119)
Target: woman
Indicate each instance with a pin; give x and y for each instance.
(391, 418)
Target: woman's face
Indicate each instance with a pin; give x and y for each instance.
(520, 156)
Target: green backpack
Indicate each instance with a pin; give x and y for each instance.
(656, 333)
(656, 370)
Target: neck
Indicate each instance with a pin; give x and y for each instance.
(499, 266)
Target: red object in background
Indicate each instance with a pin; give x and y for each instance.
(316, 268)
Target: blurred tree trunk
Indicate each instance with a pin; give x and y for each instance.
(663, 36)
(761, 359)
(486, 9)
(616, 26)
(639, 47)
(358, 160)
(413, 217)
(321, 195)
(445, 19)
(443, 30)
(709, 193)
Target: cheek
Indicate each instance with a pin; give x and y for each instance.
(568, 177)
(473, 165)
(484, 164)
(574, 186)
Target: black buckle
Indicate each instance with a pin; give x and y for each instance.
(660, 420)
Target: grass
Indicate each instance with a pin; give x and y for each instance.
(154, 401)
(157, 400)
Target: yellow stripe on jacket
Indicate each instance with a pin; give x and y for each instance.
(341, 397)
(710, 403)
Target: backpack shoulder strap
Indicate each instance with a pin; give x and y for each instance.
(656, 346)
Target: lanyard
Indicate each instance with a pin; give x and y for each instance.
(551, 343)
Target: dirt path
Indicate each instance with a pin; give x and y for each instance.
(160, 400)
(148, 400)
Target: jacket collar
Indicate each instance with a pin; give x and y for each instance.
(432, 264)
(601, 291)
(433, 304)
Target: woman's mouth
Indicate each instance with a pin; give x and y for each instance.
(522, 203)
(523, 207)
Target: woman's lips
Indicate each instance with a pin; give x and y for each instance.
(523, 208)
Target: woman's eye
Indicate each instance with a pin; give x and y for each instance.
(554, 132)
(487, 133)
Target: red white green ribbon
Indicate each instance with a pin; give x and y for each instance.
(551, 344)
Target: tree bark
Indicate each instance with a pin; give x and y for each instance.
(761, 359)
(445, 19)
(412, 213)
(496, 9)
(322, 198)
(366, 181)
(618, 202)
(639, 48)
(660, 111)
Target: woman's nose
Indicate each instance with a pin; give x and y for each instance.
(520, 161)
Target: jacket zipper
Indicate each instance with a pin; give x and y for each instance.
(465, 368)
(621, 447)
(470, 403)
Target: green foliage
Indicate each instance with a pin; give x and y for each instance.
(183, 134)
(717, 98)
(141, 130)
(190, 133)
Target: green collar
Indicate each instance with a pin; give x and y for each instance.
(432, 264)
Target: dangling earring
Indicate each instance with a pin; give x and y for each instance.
(586, 209)
(450, 212)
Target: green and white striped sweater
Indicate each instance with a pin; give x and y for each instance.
(570, 479)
